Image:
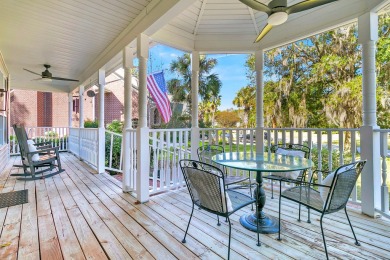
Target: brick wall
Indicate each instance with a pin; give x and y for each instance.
(32, 108)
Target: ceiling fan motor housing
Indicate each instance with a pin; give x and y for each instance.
(46, 74)
(277, 3)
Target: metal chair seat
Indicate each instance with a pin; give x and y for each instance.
(306, 196)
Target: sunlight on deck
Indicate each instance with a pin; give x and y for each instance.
(80, 214)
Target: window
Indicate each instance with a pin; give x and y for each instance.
(76, 105)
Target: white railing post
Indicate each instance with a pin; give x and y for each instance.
(195, 103)
(259, 67)
(384, 188)
(101, 130)
(143, 156)
(368, 34)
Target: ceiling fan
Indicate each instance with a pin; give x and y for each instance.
(47, 76)
(278, 11)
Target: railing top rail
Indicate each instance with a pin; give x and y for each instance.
(221, 129)
(131, 130)
(169, 130)
(113, 133)
(286, 128)
(88, 129)
(382, 130)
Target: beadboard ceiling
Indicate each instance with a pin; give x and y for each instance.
(77, 37)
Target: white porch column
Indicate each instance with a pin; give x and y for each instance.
(259, 67)
(369, 140)
(143, 156)
(194, 104)
(101, 129)
(70, 108)
(81, 106)
(128, 57)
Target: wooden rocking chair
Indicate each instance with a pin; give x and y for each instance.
(33, 158)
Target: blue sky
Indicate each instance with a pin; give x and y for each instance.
(230, 68)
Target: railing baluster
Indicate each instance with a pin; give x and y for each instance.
(384, 188)
(341, 146)
(330, 166)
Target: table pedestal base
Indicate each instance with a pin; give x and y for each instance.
(267, 225)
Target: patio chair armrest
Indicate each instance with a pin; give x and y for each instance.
(315, 172)
(55, 149)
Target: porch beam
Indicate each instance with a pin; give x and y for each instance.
(128, 57)
(154, 16)
(194, 104)
(143, 157)
(101, 130)
(259, 68)
(369, 139)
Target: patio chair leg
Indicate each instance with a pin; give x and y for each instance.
(272, 189)
(308, 215)
(230, 235)
(280, 208)
(219, 223)
(299, 213)
(323, 237)
(250, 189)
(189, 221)
(353, 232)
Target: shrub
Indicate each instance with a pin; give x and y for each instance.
(51, 134)
(91, 124)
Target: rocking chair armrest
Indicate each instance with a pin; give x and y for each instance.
(43, 143)
(55, 149)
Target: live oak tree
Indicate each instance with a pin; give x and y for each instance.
(316, 82)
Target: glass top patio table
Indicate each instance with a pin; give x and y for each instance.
(266, 162)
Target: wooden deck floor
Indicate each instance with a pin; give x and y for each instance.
(78, 214)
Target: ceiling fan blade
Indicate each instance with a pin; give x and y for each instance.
(32, 72)
(263, 32)
(303, 6)
(64, 79)
(257, 6)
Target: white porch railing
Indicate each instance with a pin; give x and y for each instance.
(74, 141)
(58, 136)
(83, 142)
(329, 146)
(167, 148)
(385, 157)
(115, 152)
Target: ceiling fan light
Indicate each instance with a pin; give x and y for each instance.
(277, 18)
(46, 79)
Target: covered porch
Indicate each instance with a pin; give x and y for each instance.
(81, 214)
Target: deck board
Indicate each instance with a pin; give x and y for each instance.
(79, 214)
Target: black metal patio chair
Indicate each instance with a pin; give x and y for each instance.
(206, 185)
(206, 152)
(33, 158)
(332, 194)
(292, 177)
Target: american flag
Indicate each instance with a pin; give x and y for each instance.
(158, 90)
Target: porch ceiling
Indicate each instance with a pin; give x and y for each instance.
(230, 26)
(78, 37)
